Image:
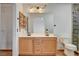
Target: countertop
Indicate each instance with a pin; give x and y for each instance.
(36, 35)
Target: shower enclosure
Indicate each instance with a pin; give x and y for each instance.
(75, 35)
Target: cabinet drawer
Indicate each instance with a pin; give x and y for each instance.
(37, 40)
(37, 51)
(37, 46)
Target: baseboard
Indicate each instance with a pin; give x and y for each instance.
(60, 49)
(5, 49)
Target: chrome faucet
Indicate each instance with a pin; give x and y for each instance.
(46, 32)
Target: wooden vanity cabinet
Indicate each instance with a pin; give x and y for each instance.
(38, 46)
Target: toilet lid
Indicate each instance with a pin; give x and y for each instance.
(71, 47)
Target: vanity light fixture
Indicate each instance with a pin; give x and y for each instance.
(37, 9)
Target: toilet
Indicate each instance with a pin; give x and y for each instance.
(69, 49)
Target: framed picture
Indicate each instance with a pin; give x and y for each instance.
(22, 21)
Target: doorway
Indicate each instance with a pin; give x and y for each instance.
(6, 28)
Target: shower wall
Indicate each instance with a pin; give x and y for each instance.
(75, 35)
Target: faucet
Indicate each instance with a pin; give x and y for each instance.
(46, 32)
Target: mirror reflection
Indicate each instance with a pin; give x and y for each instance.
(36, 19)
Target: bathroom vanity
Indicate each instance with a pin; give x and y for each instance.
(37, 45)
(34, 34)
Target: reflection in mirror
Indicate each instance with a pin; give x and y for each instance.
(40, 23)
(36, 23)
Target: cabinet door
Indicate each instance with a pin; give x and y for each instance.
(48, 46)
(25, 46)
